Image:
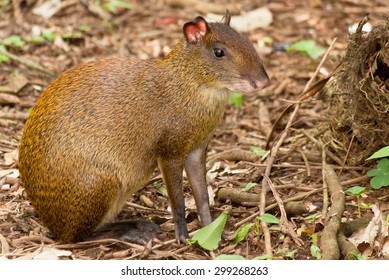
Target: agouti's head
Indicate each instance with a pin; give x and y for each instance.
(228, 58)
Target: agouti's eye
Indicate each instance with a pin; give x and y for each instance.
(218, 52)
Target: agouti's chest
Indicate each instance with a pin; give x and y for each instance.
(186, 128)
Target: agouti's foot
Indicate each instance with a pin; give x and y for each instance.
(140, 231)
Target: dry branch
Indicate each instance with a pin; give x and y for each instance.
(329, 236)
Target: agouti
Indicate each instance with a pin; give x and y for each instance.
(97, 133)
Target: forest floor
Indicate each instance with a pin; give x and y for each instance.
(80, 31)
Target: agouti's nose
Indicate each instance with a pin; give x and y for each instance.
(260, 83)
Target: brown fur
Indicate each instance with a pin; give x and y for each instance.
(98, 132)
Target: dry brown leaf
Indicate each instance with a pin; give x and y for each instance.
(46, 253)
(374, 234)
(4, 245)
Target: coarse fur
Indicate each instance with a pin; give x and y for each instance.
(97, 133)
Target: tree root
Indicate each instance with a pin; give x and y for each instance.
(329, 236)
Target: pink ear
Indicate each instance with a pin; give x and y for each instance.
(196, 30)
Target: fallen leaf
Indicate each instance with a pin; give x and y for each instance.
(13, 173)
(46, 253)
(47, 9)
(374, 234)
(11, 157)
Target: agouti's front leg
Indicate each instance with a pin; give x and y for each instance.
(196, 172)
(172, 174)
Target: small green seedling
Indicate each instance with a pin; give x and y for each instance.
(209, 236)
(242, 232)
(236, 99)
(315, 250)
(357, 191)
(307, 47)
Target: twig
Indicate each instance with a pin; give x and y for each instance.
(27, 62)
(315, 166)
(355, 180)
(284, 218)
(274, 205)
(347, 154)
(306, 162)
(325, 185)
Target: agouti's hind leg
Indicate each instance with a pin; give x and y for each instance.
(74, 217)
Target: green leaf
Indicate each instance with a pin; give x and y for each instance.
(380, 174)
(312, 218)
(236, 98)
(84, 28)
(3, 57)
(267, 40)
(259, 152)
(73, 35)
(161, 188)
(373, 172)
(114, 4)
(249, 186)
(270, 219)
(359, 256)
(242, 232)
(230, 257)
(384, 152)
(35, 39)
(357, 190)
(383, 164)
(315, 250)
(49, 36)
(263, 257)
(209, 236)
(14, 40)
(308, 47)
(366, 205)
(291, 254)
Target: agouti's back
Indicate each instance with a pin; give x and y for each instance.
(98, 132)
